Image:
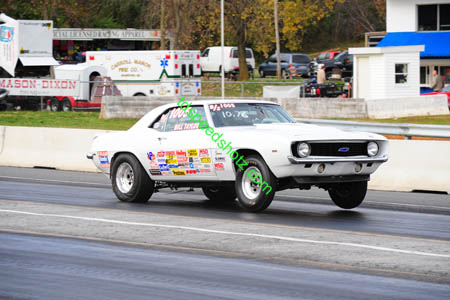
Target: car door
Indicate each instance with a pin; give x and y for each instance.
(184, 151)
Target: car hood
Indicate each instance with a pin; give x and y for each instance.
(299, 131)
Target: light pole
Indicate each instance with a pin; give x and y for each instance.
(222, 51)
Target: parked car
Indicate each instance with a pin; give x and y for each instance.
(321, 59)
(298, 60)
(445, 91)
(198, 145)
(312, 89)
(210, 60)
(342, 63)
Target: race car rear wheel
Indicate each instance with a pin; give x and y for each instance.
(219, 193)
(255, 185)
(348, 195)
(129, 180)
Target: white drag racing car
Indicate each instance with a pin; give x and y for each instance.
(236, 149)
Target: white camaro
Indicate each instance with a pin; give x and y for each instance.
(236, 149)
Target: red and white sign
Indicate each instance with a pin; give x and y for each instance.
(40, 87)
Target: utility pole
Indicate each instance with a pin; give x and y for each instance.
(277, 37)
(163, 25)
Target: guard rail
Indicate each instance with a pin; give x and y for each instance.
(404, 129)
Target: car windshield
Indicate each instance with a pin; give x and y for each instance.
(341, 55)
(246, 114)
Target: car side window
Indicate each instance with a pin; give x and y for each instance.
(205, 53)
(160, 122)
(178, 119)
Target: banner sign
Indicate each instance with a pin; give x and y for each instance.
(92, 33)
(40, 87)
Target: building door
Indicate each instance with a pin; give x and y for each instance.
(363, 77)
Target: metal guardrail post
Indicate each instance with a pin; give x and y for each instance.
(242, 89)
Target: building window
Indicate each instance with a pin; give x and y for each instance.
(401, 73)
(445, 72)
(424, 74)
(434, 17)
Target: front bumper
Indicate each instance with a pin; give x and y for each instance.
(316, 160)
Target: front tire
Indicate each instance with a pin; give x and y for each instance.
(219, 193)
(55, 105)
(130, 181)
(262, 74)
(255, 185)
(348, 195)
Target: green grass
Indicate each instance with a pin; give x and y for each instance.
(63, 119)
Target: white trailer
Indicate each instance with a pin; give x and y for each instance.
(151, 73)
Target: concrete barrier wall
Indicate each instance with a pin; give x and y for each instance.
(406, 107)
(324, 107)
(413, 165)
(60, 148)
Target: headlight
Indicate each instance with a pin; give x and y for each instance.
(303, 149)
(372, 148)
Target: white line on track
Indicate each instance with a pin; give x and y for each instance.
(291, 239)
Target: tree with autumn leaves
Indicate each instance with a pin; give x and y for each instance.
(195, 24)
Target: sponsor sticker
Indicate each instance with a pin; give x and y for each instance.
(179, 172)
(194, 159)
(166, 173)
(171, 161)
(155, 172)
(103, 158)
(205, 160)
(205, 170)
(218, 107)
(191, 165)
(190, 172)
(219, 167)
(150, 156)
(172, 166)
(203, 152)
(181, 153)
(182, 159)
(161, 154)
(219, 158)
(161, 160)
(192, 152)
(170, 154)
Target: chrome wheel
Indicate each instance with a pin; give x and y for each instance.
(251, 189)
(125, 177)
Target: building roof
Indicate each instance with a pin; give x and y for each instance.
(436, 43)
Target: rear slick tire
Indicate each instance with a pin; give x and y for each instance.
(130, 182)
(348, 195)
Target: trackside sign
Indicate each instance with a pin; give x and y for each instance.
(40, 87)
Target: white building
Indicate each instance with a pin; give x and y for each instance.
(386, 72)
(421, 22)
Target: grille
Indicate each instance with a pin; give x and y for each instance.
(332, 149)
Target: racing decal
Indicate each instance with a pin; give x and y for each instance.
(151, 156)
(178, 172)
(161, 154)
(166, 173)
(103, 159)
(182, 159)
(161, 160)
(164, 168)
(205, 160)
(181, 153)
(194, 159)
(192, 152)
(172, 166)
(203, 152)
(171, 161)
(219, 158)
(205, 170)
(219, 167)
(170, 154)
(192, 166)
(218, 107)
(154, 165)
(183, 165)
(155, 172)
(190, 172)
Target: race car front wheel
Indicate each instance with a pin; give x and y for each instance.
(255, 185)
(129, 180)
(219, 193)
(348, 195)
